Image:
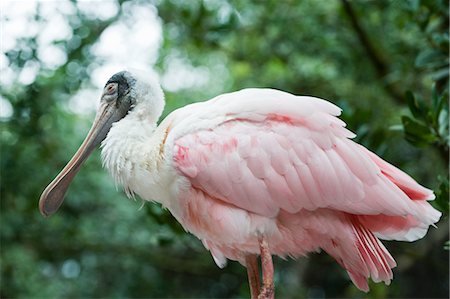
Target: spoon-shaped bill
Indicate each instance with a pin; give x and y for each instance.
(53, 196)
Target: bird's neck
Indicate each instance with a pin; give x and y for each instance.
(125, 151)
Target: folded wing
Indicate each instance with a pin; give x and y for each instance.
(265, 151)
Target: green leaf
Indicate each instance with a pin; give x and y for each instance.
(442, 194)
(396, 128)
(416, 105)
(443, 123)
(434, 97)
(441, 114)
(431, 58)
(417, 133)
(414, 5)
(443, 102)
(440, 73)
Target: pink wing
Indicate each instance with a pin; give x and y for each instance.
(266, 151)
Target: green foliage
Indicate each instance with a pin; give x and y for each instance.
(102, 245)
(429, 127)
(447, 245)
(442, 195)
(429, 124)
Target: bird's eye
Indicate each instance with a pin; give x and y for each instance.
(110, 89)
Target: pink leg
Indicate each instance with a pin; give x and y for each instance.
(251, 262)
(268, 289)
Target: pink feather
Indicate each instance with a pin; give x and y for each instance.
(283, 166)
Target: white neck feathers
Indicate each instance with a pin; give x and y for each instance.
(130, 138)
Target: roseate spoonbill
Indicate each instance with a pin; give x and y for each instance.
(255, 172)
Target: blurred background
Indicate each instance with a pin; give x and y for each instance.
(384, 62)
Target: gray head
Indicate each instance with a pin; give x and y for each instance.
(121, 94)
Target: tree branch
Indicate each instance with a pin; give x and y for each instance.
(377, 61)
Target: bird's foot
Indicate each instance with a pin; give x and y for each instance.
(267, 292)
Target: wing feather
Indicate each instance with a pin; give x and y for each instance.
(265, 151)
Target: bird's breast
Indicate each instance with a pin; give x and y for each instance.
(135, 155)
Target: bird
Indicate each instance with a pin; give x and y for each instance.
(253, 174)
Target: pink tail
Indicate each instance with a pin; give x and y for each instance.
(373, 259)
(365, 257)
(405, 227)
(377, 260)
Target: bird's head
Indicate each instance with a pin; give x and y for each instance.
(125, 94)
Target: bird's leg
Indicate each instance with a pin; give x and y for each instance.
(251, 262)
(268, 289)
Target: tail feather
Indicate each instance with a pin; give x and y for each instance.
(402, 227)
(365, 257)
(374, 255)
(377, 252)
